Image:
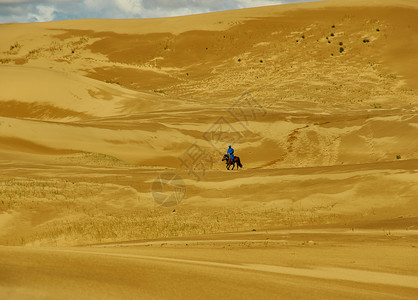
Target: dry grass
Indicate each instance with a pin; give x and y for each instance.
(85, 213)
(143, 223)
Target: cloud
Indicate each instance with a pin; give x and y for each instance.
(252, 3)
(44, 14)
(130, 7)
(35, 1)
(52, 10)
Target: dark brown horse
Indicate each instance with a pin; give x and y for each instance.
(230, 162)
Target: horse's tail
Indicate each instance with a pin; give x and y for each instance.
(239, 163)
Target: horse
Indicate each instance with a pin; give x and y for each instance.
(230, 162)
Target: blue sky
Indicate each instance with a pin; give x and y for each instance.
(53, 10)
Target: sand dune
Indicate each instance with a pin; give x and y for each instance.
(100, 120)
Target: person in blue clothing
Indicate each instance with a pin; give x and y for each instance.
(230, 152)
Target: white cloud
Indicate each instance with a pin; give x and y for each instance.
(130, 7)
(253, 3)
(44, 13)
(34, 1)
(51, 10)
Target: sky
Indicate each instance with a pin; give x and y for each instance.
(23, 11)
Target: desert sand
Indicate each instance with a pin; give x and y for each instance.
(112, 134)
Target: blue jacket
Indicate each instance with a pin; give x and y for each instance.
(230, 152)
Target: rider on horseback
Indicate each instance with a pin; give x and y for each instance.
(230, 152)
(231, 159)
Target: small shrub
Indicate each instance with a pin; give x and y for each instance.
(15, 46)
(366, 41)
(261, 61)
(332, 54)
(333, 26)
(341, 43)
(377, 29)
(341, 49)
(329, 42)
(332, 34)
(297, 41)
(112, 82)
(160, 92)
(239, 59)
(33, 53)
(398, 157)
(303, 36)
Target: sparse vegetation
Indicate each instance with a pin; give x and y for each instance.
(398, 157)
(54, 46)
(112, 82)
(332, 34)
(261, 61)
(14, 48)
(333, 26)
(377, 29)
(341, 50)
(86, 212)
(340, 43)
(366, 41)
(33, 53)
(160, 92)
(239, 59)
